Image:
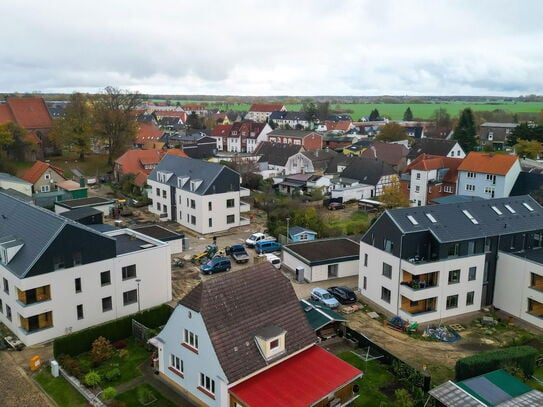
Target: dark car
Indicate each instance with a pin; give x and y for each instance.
(343, 294)
(335, 205)
(215, 265)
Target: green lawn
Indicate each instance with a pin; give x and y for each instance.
(59, 390)
(130, 397)
(127, 365)
(376, 378)
(357, 223)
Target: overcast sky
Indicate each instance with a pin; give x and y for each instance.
(292, 47)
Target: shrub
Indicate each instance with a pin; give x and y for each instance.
(101, 350)
(123, 353)
(71, 365)
(92, 379)
(109, 393)
(112, 374)
(120, 344)
(522, 357)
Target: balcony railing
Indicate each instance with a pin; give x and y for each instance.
(244, 207)
(418, 285)
(244, 221)
(244, 192)
(426, 311)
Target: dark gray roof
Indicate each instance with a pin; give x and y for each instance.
(452, 224)
(37, 228)
(527, 183)
(504, 125)
(158, 232)
(237, 306)
(16, 194)
(320, 158)
(215, 178)
(82, 202)
(325, 251)
(80, 213)
(433, 146)
(367, 170)
(276, 154)
(284, 115)
(128, 243)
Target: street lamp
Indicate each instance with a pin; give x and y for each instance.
(138, 281)
(288, 221)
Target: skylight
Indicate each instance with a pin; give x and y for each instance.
(528, 207)
(430, 216)
(510, 209)
(470, 217)
(412, 220)
(495, 209)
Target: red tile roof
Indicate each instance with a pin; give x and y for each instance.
(488, 163)
(341, 125)
(301, 380)
(171, 113)
(266, 107)
(36, 171)
(191, 108)
(427, 162)
(5, 114)
(148, 132)
(222, 130)
(133, 161)
(30, 113)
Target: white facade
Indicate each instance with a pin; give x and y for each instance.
(519, 288)
(201, 213)
(321, 272)
(152, 269)
(418, 191)
(487, 185)
(196, 360)
(298, 163)
(375, 279)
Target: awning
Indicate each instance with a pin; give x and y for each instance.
(301, 380)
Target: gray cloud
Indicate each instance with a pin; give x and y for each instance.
(282, 47)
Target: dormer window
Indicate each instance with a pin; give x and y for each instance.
(270, 341)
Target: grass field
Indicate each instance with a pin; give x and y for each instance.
(396, 110)
(60, 390)
(130, 397)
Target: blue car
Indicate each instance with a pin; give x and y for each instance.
(216, 265)
(323, 297)
(267, 246)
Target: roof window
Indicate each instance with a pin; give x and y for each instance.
(470, 217)
(510, 209)
(495, 209)
(528, 207)
(412, 220)
(431, 217)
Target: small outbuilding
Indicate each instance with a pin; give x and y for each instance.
(300, 234)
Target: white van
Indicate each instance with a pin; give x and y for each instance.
(274, 260)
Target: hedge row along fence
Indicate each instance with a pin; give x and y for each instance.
(412, 377)
(81, 341)
(476, 365)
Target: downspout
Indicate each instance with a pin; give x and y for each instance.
(398, 303)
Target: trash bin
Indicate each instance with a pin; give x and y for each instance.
(300, 274)
(54, 368)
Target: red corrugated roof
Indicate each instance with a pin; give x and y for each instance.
(488, 163)
(30, 113)
(301, 380)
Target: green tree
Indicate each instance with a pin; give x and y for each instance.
(393, 197)
(193, 121)
(392, 131)
(528, 149)
(526, 131)
(12, 142)
(6, 136)
(75, 128)
(324, 110)
(465, 131)
(92, 379)
(374, 115)
(114, 119)
(102, 349)
(408, 115)
(311, 111)
(109, 393)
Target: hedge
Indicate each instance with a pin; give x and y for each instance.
(521, 356)
(81, 341)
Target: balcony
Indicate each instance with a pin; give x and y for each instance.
(244, 192)
(418, 307)
(37, 322)
(244, 221)
(244, 207)
(34, 296)
(535, 308)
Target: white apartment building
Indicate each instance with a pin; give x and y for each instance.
(59, 276)
(202, 196)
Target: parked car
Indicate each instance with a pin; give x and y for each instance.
(273, 259)
(323, 297)
(216, 265)
(343, 294)
(336, 205)
(238, 253)
(257, 237)
(267, 246)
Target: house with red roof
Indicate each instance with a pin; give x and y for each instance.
(260, 112)
(148, 136)
(309, 140)
(338, 127)
(44, 177)
(140, 163)
(240, 137)
(225, 347)
(200, 110)
(429, 177)
(31, 114)
(488, 175)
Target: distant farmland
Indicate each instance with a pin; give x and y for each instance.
(396, 110)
